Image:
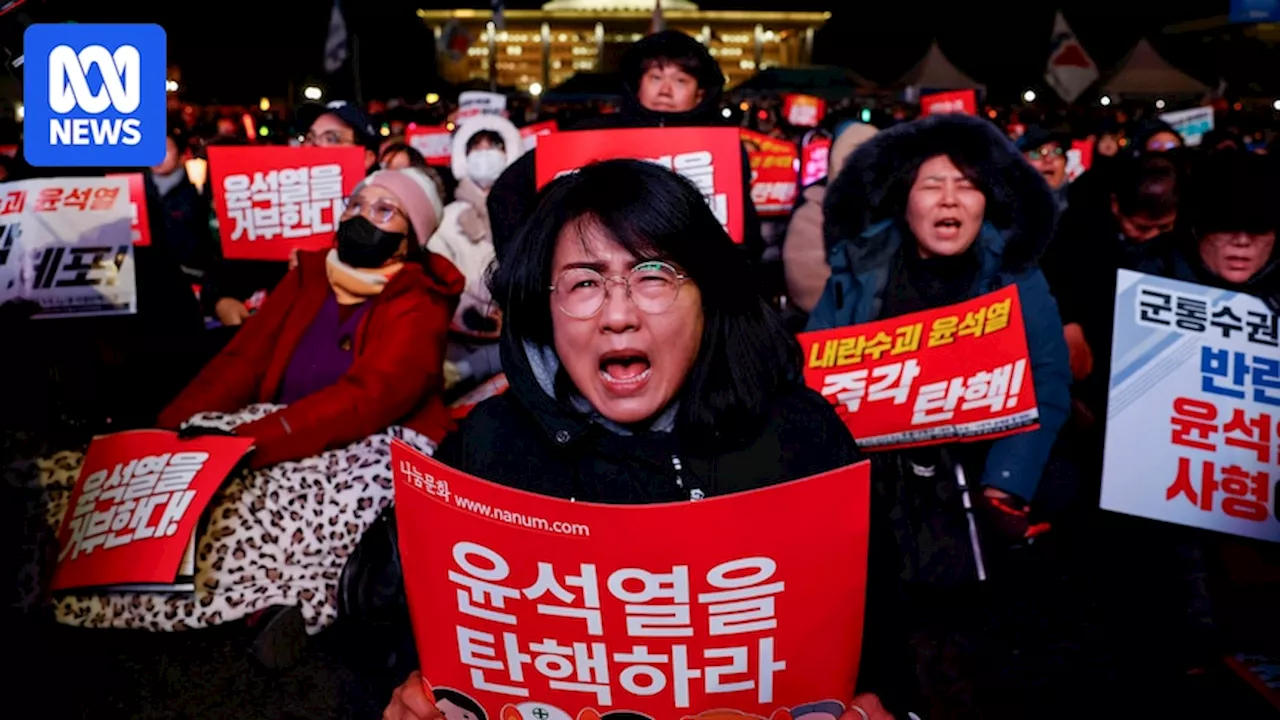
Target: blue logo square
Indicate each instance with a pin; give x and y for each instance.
(94, 95)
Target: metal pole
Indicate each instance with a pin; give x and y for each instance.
(493, 56)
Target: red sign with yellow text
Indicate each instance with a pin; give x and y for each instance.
(774, 175)
(956, 101)
(527, 607)
(956, 373)
(273, 200)
(135, 506)
(711, 158)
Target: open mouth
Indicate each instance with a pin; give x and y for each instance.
(625, 370)
(947, 228)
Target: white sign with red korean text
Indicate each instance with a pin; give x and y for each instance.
(527, 607)
(271, 201)
(67, 245)
(1193, 428)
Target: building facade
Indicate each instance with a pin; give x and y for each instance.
(548, 46)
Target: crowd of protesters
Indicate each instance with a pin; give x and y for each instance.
(625, 397)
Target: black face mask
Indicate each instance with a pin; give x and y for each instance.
(362, 244)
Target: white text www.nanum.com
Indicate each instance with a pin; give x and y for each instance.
(520, 519)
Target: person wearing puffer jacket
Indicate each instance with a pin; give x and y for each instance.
(483, 147)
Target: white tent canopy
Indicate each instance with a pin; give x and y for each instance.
(1144, 72)
(935, 72)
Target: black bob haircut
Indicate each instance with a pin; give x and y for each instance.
(747, 357)
(461, 701)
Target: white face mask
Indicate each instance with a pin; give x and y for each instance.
(484, 166)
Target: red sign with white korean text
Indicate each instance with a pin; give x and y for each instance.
(138, 199)
(137, 501)
(273, 200)
(532, 133)
(814, 160)
(709, 157)
(434, 142)
(774, 178)
(804, 110)
(956, 101)
(527, 607)
(956, 373)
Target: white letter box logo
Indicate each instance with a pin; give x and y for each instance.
(69, 85)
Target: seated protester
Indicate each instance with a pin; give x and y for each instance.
(936, 212)
(1232, 221)
(233, 286)
(926, 215)
(345, 355)
(626, 326)
(483, 147)
(1134, 231)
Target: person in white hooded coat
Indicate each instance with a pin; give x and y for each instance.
(483, 147)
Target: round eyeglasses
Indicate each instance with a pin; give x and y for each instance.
(378, 211)
(652, 286)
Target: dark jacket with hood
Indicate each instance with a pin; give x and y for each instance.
(866, 234)
(536, 438)
(512, 198)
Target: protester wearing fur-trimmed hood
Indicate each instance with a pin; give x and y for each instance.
(935, 212)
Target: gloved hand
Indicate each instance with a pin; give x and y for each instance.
(1006, 516)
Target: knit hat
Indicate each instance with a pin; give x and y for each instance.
(416, 192)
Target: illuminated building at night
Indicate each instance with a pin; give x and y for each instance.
(548, 46)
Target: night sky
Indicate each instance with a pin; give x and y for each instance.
(237, 50)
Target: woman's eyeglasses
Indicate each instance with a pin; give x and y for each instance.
(1047, 152)
(653, 286)
(378, 211)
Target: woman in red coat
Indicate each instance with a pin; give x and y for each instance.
(346, 355)
(351, 341)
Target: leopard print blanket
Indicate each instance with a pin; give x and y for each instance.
(276, 536)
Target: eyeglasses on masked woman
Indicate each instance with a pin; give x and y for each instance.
(653, 286)
(378, 211)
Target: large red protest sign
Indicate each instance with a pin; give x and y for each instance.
(527, 607)
(532, 133)
(955, 101)
(960, 372)
(710, 157)
(135, 506)
(774, 173)
(273, 200)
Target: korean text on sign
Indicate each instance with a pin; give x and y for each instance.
(1193, 433)
(955, 373)
(272, 200)
(131, 515)
(710, 158)
(524, 598)
(774, 173)
(67, 244)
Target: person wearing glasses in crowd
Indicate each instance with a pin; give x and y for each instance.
(1046, 151)
(236, 287)
(642, 369)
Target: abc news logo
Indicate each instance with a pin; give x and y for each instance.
(69, 91)
(94, 95)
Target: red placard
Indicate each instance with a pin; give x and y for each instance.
(1079, 158)
(532, 133)
(434, 142)
(956, 373)
(710, 157)
(774, 175)
(135, 506)
(804, 110)
(956, 101)
(273, 200)
(534, 608)
(814, 161)
(138, 198)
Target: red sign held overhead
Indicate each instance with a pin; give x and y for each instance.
(956, 101)
(711, 158)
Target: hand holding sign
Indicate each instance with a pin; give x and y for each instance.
(413, 701)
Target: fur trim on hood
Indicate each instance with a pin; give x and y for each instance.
(469, 127)
(669, 44)
(876, 178)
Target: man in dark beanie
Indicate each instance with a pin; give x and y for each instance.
(669, 80)
(1233, 219)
